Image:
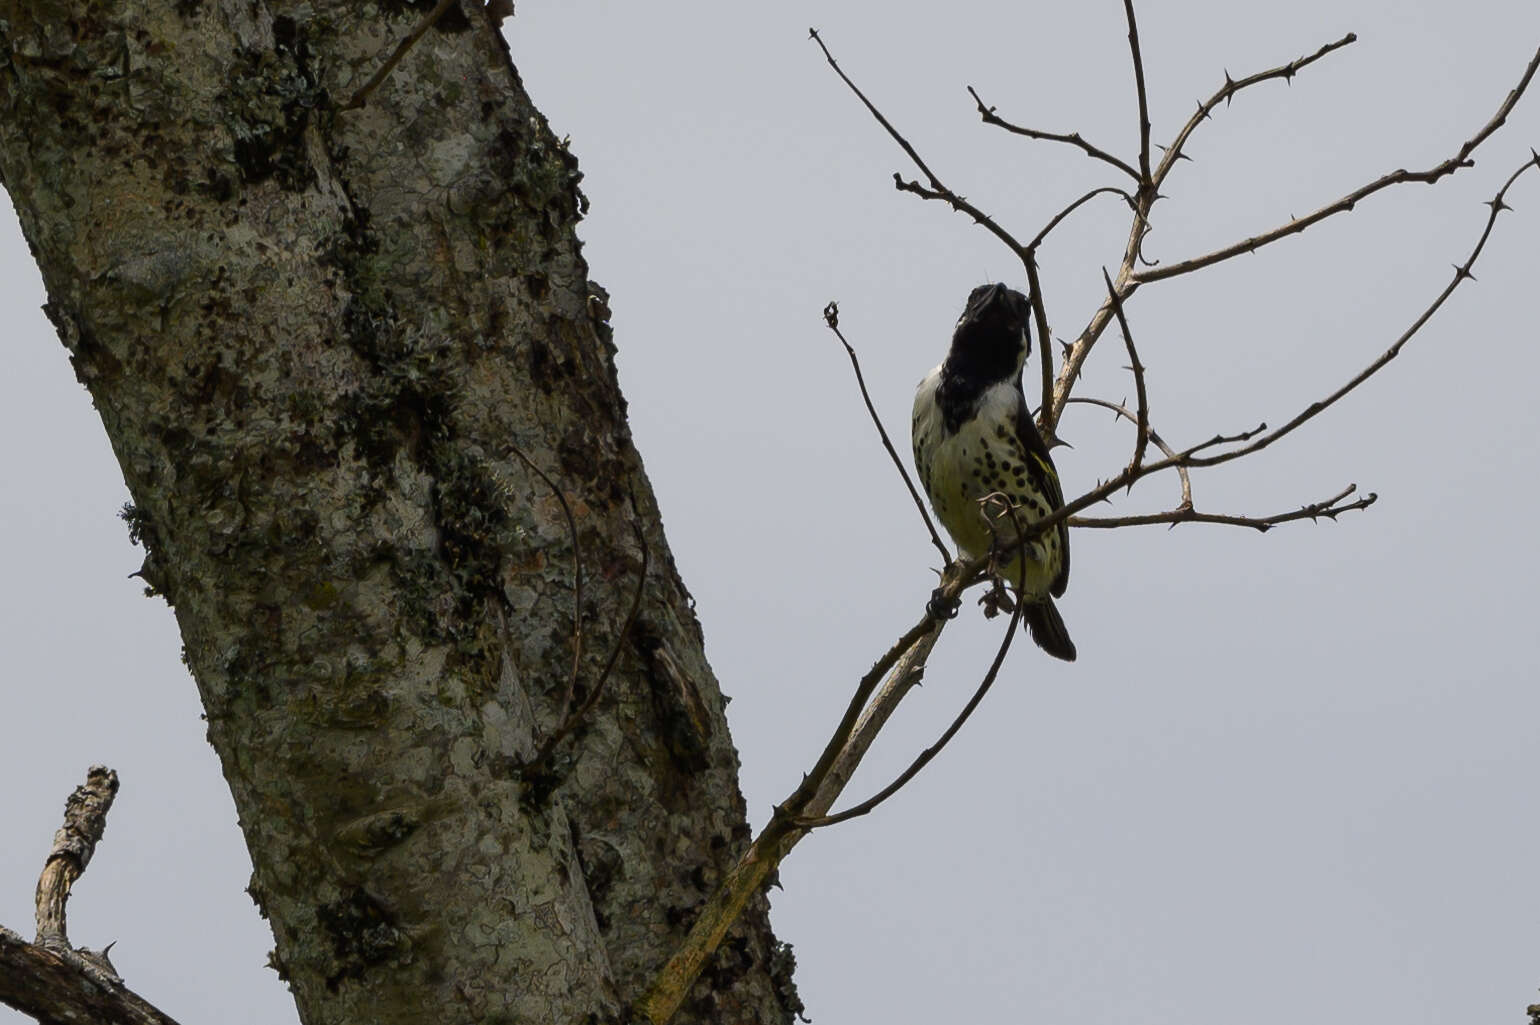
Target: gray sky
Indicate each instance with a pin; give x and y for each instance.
(1292, 776)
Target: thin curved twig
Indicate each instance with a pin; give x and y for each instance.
(1037, 239)
(1044, 343)
(1142, 425)
(1125, 413)
(831, 317)
(989, 117)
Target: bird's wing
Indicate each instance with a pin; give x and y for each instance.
(1026, 430)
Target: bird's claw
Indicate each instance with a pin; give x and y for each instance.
(941, 606)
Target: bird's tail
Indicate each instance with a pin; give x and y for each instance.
(1048, 630)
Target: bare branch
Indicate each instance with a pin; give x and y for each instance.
(1037, 239)
(924, 758)
(1080, 350)
(1167, 450)
(936, 189)
(831, 316)
(1347, 202)
(1226, 93)
(1142, 424)
(1106, 489)
(1329, 508)
(1073, 138)
(1044, 343)
(1462, 273)
(1145, 182)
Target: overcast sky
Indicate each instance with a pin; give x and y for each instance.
(1293, 776)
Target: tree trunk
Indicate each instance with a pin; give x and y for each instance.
(313, 334)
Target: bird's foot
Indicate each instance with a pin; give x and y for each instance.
(942, 607)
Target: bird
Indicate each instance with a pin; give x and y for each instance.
(974, 437)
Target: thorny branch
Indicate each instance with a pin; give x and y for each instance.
(1329, 508)
(1133, 418)
(1081, 348)
(1144, 104)
(989, 117)
(1044, 343)
(1142, 421)
(1462, 273)
(937, 190)
(1260, 437)
(1037, 239)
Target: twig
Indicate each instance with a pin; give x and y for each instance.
(1347, 202)
(1142, 425)
(577, 576)
(1462, 272)
(1073, 138)
(831, 317)
(937, 190)
(1044, 344)
(1037, 239)
(1106, 489)
(1144, 105)
(431, 19)
(1330, 508)
(1167, 450)
(1226, 93)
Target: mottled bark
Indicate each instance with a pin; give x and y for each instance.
(312, 334)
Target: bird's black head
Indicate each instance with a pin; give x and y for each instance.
(991, 341)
